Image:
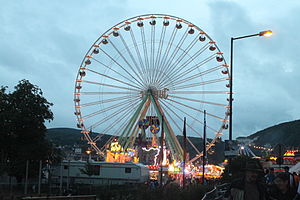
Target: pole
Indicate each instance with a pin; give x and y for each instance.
(68, 181)
(40, 177)
(184, 151)
(26, 176)
(162, 150)
(231, 89)
(204, 149)
(61, 178)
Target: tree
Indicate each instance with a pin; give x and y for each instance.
(23, 113)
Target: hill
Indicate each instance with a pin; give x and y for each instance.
(287, 133)
(71, 137)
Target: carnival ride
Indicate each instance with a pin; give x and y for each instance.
(141, 78)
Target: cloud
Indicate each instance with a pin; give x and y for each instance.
(45, 41)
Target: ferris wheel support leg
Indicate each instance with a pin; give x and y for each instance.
(124, 136)
(171, 138)
(132, 137)
(142, 116)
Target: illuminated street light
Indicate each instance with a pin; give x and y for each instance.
(266, 33)
(88, 152)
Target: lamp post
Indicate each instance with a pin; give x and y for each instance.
(88, 152)
(267, 33)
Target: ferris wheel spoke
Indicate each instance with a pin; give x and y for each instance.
(166, 65)
(174, 113)
(126, 83)
(143, 67)
(196, 100)
(187, 114)
(166, 53)
(209, 114)
(109, 116)
(121, 127)
(132, 58)
(179, 74)
(158, 55)
(106, 101)
(116, 62)
(176, 70)
(115, 135)
(198, 92)
(126, 61)
(145, 52)
(98, 137)
(110, 68)
(115, 122)
(213, 69)
(178, 127)
(106, 93)
(152, 49)
(108, 85)
(106, 109)
(180, 58)
(201, 83)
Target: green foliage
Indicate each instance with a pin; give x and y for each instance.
(23, 113)
(235, 169)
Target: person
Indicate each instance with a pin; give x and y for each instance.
(291, 178)
(282, 189)
(250, 187)
(270, 176)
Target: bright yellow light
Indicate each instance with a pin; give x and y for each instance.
(267, 33)
(88, 151)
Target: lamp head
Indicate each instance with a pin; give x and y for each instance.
(267, 33)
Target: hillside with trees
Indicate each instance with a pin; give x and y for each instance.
(287, 133)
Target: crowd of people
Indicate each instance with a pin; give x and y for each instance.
(259, 184)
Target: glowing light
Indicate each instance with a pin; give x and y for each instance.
(267, 33)
(88, 151)
(242, 147)
(115, 147)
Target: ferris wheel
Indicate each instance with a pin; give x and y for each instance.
(152, 65)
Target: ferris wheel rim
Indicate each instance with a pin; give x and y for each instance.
(134, 19)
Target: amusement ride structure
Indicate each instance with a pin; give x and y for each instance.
(140, 79)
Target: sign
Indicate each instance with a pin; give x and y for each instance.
(143, 124)
(153, 120)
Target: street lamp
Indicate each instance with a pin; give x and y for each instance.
(89, 153)
(266, 33)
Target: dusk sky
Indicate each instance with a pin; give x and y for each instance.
(45, 42)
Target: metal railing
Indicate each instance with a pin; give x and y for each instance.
(216, 193)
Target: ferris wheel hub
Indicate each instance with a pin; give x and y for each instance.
(152, 90)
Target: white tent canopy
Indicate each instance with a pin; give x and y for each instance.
(295, 168)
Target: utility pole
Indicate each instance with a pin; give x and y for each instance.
(26, 177)
(204, 149)
(68, 181)
(61, 178)
(40, 177)
(162, 150)
(184, 151)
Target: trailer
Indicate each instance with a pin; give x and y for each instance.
(99, 173)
